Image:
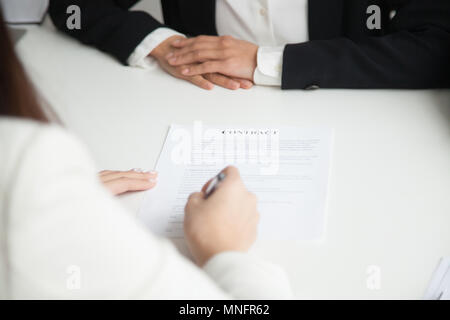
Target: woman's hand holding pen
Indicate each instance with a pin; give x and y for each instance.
(226, 221)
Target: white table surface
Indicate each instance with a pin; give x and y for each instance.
(389, 200)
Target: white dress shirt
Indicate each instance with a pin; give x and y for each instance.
(271, 24)
(63, 236)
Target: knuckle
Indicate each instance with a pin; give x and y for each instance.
(230, 169)
(198, 54)
(226, 41)
(253, 198)
(181, 52)
(192, 197)
(179, 69)
(232, 172)
(257, 216)
(187, 207)
(189, 229)
(195, 46)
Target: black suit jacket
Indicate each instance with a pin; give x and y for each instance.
(412, 50)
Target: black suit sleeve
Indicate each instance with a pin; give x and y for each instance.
(415, 54)
(106, 24)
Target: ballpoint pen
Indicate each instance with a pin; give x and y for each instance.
(214, 184)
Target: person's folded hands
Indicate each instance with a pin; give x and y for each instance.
(205, 81)
(209, 54)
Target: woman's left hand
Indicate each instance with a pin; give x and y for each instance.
(119, 182)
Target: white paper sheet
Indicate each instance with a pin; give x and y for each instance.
(287, 168)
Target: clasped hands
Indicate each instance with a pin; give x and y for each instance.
(209, 60)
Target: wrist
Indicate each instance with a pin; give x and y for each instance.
(202, 256)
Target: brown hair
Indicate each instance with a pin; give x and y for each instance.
(17, 96)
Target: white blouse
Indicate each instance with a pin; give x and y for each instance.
(64, 236)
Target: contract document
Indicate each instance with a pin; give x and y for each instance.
(287, 168)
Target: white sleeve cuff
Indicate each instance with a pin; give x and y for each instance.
(270, 66)
(140, 56)
(246, 277)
